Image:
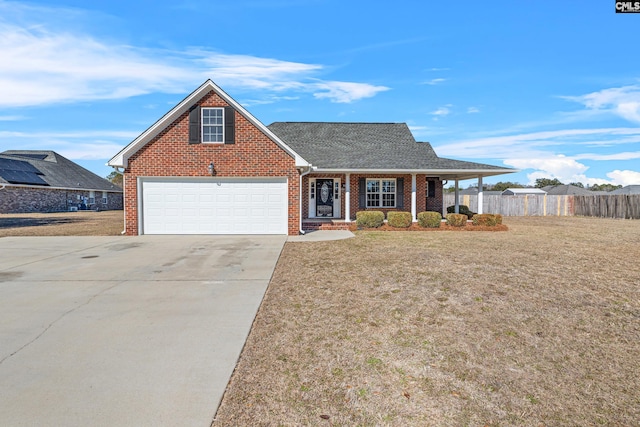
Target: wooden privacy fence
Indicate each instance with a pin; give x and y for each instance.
(609, 206)
(520, 205)
(606, 206)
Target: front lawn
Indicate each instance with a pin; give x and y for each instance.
(539, 325)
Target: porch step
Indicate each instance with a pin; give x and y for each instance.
(310, 225)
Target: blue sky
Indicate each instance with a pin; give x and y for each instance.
(550, 88)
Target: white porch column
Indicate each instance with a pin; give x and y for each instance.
(347, 198)
(480, 194)
(456, 198)
(414, 209)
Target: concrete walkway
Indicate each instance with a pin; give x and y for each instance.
(321, 236)
(125, 331)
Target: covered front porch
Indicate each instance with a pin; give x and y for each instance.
(330, 201)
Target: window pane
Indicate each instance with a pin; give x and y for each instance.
(373, 200)
(212, 121)
(389, 200)
(373, 186)
(388, 186)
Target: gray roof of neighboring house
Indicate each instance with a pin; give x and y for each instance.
(629, 189)
(563, 190)
(516, 191)
(366, 146)
(474, 192)
(49, 169)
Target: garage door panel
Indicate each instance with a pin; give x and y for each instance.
(223, 206)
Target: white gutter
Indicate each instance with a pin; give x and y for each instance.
(308, 171)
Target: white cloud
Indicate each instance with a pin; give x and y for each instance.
(86, 145)
(442, 111)
(627, 155)
(41, 63)
(345, 92)
(472, 110)
(552, 166)
(433, 82)
(531, 144)
(11, 118)
(622, 101)
(625, 177)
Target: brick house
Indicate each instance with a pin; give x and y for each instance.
(45, 181)
(210, 167)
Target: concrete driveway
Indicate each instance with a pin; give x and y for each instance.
(121, 331)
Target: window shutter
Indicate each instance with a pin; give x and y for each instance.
(362, 193)
(229, 125)
(194, 125)
(400, 193)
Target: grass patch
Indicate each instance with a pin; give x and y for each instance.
(82, 223)
(539, 325)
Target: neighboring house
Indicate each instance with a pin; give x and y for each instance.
(45, 181)
(523, 191)
(473, 191)
(210, 167)
(566, 190)
(629, 189)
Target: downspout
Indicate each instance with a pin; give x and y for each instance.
(308, 171)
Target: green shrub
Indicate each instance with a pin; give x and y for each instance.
(489, 220)
(399, 219)
(369, 219)
(456, 220)
(463, 209)
(429, 219)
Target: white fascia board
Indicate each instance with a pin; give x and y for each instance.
(121, 159)
(469, 173)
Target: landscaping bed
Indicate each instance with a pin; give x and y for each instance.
(443, 227)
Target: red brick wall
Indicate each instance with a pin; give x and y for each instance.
(30, 199)
(170, 154)
(435, 203)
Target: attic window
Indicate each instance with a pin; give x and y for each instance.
(213, 125)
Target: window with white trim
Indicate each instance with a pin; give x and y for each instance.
(104, 197)
(213, 125)
(381, 193)
(92, 197)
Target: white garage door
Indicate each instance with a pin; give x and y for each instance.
(214, 206)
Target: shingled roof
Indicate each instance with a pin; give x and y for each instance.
(368, 146)
(49, 169)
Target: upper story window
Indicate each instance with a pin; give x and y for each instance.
(381, 193)
(212, 125)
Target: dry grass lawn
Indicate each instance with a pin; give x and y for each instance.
(536, 326)
(83, 223)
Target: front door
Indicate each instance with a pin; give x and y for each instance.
(324, 197)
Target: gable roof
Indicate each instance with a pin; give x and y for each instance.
(49, 169)
(121, 159)
(629, 189)
(372, 147)
(562, 190)
(517, 191)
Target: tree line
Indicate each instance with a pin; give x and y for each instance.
(540, 183)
